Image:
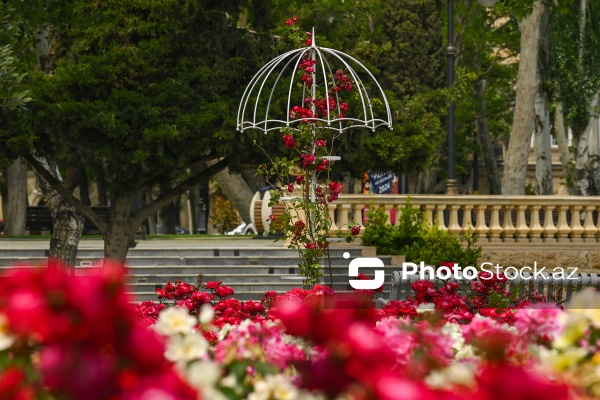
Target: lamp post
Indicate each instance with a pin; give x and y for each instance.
(451, 183)
(451, 186)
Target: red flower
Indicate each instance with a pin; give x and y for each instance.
(290, 187)
(308, 42)
(289, 141)
(224, 291)
(321, 143)
(307, 159)
(310, 246)
(322, 166)
(289, 22)
(355, 230)
(299, 179)
(213, 284)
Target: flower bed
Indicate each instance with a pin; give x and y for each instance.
(79, 337)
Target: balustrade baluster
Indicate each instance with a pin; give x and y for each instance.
(576, 228)
(562, 227)
(440, 216)
(549, 227)
(521, 229)
(507, 227)
(343, 211)
(495, 228)
(589, 230)
(358, 217)
(535, 230)
(481, 228)
(331, 209)
(428, 211)
(453, 226)
(467, 220)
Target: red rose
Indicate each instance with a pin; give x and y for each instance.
(224, 291)
(213, 284)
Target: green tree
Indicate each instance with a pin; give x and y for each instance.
(149, 89)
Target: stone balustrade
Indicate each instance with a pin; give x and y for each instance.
(532, 218)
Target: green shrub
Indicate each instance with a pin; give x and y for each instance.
(417, 240)
(223, 216)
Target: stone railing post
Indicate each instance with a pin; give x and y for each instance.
(440, 216)
(453, 226)
(521, 229)
(495, 229)
(358, 217)
(576, 228)
(535, 230)
(562, 227)
(589, 230)
(467, 219)
(507, 227)
(428, 211)
(481, 229)
(331, 210)
(549, 227)
(343, 211)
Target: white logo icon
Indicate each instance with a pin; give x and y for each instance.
(365, 262)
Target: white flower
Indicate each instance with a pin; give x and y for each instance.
(203, 375)
(186, 348)
(457, 373)
(6, 339)
(562, 360)
(573, 330)
(276, 387)
(206, 314)
(426, 308)
(175, 320)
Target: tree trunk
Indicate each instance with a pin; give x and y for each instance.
(235, 188)
(566, 156)
(586, 154)
(485, 141)
(67, 221)
(16, 202)
(152, 218)
(543, 151)
(517, 154)
(120, 234)
(101, 184)
(168, 214)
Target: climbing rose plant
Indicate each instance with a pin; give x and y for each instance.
(306, 223)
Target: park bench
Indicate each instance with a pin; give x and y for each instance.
(39, 219)
(556, 288)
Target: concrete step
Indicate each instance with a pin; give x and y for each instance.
(228, 279)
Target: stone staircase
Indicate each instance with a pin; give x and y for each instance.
(249, 270)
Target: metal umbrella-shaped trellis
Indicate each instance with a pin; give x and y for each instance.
(260, 107)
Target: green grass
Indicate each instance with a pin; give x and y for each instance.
(170, 237)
